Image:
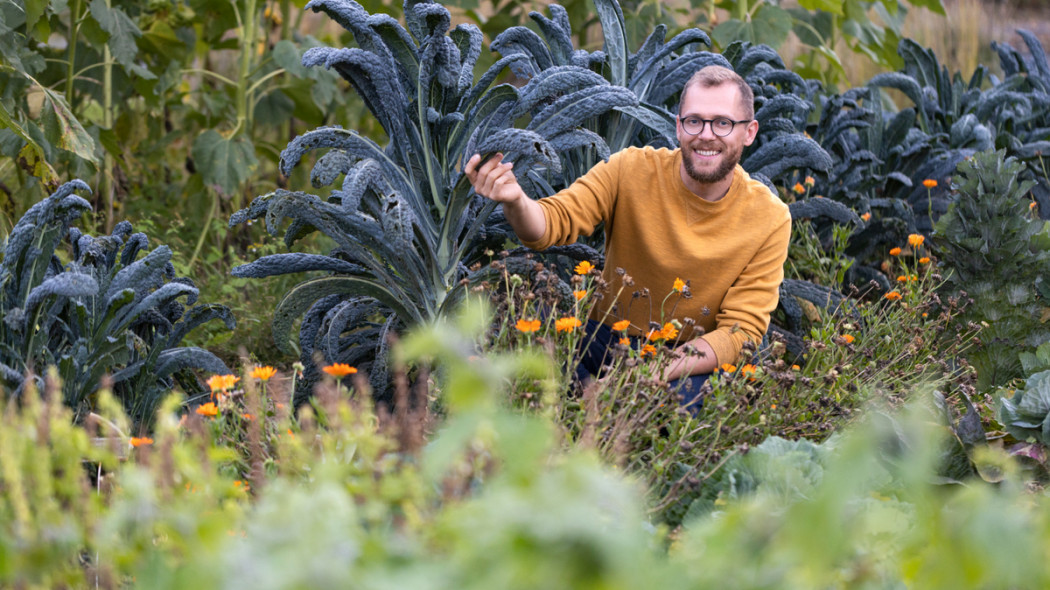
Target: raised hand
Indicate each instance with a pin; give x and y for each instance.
(494, 179)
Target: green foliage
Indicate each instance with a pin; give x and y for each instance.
(1000, 257)
(105, 312)
(1026, 415)
(338, 496)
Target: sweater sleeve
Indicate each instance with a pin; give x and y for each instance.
(750, 301)
(579, 208)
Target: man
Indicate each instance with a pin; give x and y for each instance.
(691, 214)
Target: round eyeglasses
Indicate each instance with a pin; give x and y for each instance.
(720, 126)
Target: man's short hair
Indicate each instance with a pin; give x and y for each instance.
(711, 76)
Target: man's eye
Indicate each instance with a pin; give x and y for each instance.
(723, 123)
(692, 121)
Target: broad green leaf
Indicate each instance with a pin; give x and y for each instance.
(224, 162)
(122, 34)
(932, 5)
(274, 108)
(34, 10)
(832, 6)
(287, 55)
(770, 25)
(63, 130)
(31, 159)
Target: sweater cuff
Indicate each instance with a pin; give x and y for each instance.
(725, 346)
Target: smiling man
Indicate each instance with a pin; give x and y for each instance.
(691, 213)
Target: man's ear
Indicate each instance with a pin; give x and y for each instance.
(751, 132)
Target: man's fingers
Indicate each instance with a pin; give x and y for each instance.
(471, 168)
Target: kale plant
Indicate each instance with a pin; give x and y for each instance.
(999, 256)
(105, 312)
(406, 224)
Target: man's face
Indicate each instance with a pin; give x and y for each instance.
(706, 157)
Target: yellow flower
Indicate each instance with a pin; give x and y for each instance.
(584, 268)
(924, 260)
(866, 216)
(893, 296)
(566, 324)
(728, 368)
(621, 325)
(929, 183)
(810, 181)
(222, 382)
(669, 332)
(209, 409)
(137, 441)
(679, 285)
(895, 251)
(527, 326)
(798, 188)
(263, 373)
(848, 338)
(339, 370)
(579, 294)
(916, 240)
(649, 349)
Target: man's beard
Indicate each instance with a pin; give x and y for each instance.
(729, 162)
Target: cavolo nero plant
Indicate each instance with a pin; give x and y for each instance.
(409, 233)
(104, 312)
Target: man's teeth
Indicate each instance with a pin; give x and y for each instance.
(707, 152)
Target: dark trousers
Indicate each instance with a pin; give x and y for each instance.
(597, 340)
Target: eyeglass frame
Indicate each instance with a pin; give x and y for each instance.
(705, 122)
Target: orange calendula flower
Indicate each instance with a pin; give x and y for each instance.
(895, 251)
(584, 268)
(263, 373)
(139, 441)
(621, 325)
(902, 279)
(798, 188)
(527, 326)
(625, 341)
(248, 417)
(848, 338)
(1032, 205)
(810, 181)
(222, 382)
(567, 324)
(728, 368)
(866, 216)
(669, 331)
(924, 260)
(929, 183)
(795, 367)
(579, 294)
(679, 285)
(649, 349)
(748, 370)
(893, 296)
(916, 240)
(209, 409)
(339, 370)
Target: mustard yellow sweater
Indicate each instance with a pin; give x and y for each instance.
(731, 251)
